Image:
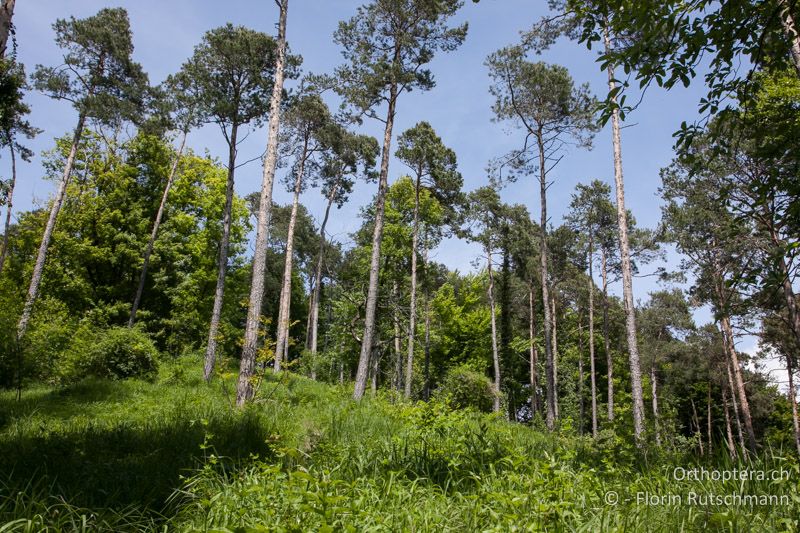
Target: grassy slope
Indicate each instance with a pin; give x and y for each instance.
(135, 455)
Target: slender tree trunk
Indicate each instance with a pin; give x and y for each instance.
(375, 260)
(736, 415)
(427, 389)
(495, 352)
(627, 277)
(412, 319)
(591, 337)
(606, 342)
(6, 14)
(398, 353)
(555, 354)
(697, 427)
(244, 390)
(534, 356)
(739, 381)
(38, 268)
(284, 307)
(9, 204)
(728, 431)
(654, 386)
(154, 233)
(315, 294)
(548, 346)
(708, 416)
(222, 261)
(581, 407)
(790, 31)
(375, 369)
(793, 401)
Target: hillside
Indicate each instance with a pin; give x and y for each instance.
(172, 453)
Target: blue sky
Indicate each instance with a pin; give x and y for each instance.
(459, 107)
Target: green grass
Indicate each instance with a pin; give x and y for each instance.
(174, 455)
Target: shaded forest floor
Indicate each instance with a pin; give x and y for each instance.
(173, 454)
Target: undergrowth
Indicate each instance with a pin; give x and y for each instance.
(173, 454)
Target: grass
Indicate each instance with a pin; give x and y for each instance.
(174, 455)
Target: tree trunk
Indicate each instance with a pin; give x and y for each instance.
(581, 407)
(736, 415)
(728, 431)
(375, 259)
(412, 318)
(222, 260)
(654, 387)
(793, 401)
(316, 291)
(534, 356)
(154, 233)
(6, 14)
(591, 338)
(606, 342)
(727, 334)
(555, 355)
(284, 307)
(697, 427)
(495, 352)
(398, 353)
(426, 391)
(708, 416)
(38, 268)
(790, 31)
(627, 277)
(244, 389)
(9, 203)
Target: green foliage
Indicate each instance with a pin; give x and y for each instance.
(462, 387)
(115, 353)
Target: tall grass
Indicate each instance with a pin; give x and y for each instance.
(175, 455)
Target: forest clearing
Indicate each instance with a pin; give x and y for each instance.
(400, 265)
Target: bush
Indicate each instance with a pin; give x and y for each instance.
(115, 353)
(462, 387)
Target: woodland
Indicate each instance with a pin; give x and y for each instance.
(175, 355)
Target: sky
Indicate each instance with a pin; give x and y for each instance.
(458, 107)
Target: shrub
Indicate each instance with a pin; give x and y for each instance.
(462, 387)
(115, 353)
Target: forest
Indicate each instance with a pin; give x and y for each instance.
(178, 355)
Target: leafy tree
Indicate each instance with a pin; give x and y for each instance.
(387, 45)
(104, 85)
(541, 100)
(434, 167)
(12, 125)
(6, 26)
(231, 72)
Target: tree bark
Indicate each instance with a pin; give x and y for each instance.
(627, 277)
(6, 14)
(284, 307)
(412, 318)
(317, 289)
(736, 415)
(728, 431)
(708, 416)
(244, 389)
(398, 353)
(581, 407)
(727, 335)
(222, 260)
(534, 356)
(606, 342)
(654, 387)
(555, 355)
(793, 401)
(547, 323)
(377, 237)
(591, 338)
(790, 31)
(38, 268)
(9, 204)
(426, 391)
(154, 233)
(495, 352)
